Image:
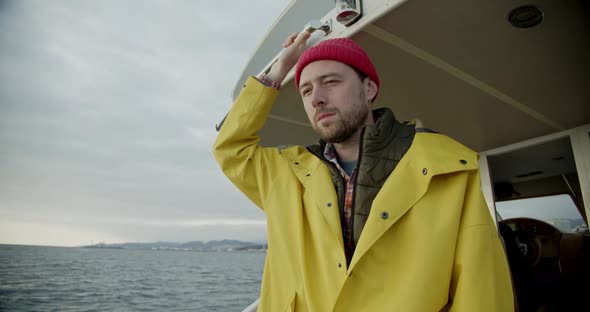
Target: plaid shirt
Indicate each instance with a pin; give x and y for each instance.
(267, 82)
(330, 154)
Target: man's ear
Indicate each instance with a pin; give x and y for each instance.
(370, 89)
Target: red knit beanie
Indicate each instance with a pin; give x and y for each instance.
(342, 50)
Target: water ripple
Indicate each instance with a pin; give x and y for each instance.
(78, 279)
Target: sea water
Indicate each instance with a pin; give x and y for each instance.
(36, 278)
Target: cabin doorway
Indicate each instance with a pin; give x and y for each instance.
(542, 220)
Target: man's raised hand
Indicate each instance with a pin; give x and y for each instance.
(293, 47)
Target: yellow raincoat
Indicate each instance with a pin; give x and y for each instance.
(429, 243)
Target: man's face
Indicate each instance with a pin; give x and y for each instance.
(336, 100)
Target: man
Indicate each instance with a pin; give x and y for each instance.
(380, 216)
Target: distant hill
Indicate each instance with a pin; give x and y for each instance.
(568, 225)
(214, 245)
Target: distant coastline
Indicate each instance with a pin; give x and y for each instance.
(214, 245)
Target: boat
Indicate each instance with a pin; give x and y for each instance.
(508, 80)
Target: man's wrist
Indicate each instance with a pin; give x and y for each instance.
(278, 71)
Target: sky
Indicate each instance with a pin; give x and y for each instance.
(543, 208)
(107, 114)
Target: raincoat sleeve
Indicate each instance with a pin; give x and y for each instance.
(480, 278)
(243, 161)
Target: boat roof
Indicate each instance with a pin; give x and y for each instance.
(460, 67)
(292, 19)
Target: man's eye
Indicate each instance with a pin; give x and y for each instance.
(330, 82)
(305, 92)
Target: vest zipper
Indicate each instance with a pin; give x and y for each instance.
(358, 166)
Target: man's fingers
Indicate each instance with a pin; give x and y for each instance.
(302, 36)
(290, 40)
(296, 38)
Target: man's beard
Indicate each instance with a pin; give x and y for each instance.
(344, 128)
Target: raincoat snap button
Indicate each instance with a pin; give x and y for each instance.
(463, 161)
(339, 265)
(329, 205)
(384, 215)
(296, 163)
(424, 171)
(307, 175)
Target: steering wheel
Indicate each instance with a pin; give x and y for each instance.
(529, 247)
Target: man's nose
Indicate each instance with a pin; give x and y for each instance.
(318, 97)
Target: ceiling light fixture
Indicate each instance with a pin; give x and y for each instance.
(525, 16)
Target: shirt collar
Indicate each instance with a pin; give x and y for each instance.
(330, 155)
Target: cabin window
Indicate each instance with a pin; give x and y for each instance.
(557, 210)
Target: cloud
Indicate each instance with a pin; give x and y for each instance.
(197, 222)
(108, 111)
(26, 233)
(120, 231)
